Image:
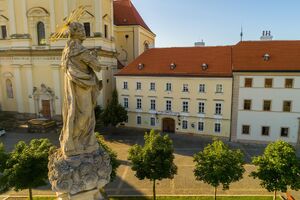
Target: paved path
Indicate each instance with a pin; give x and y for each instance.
(120, 140)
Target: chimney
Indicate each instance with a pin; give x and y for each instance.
(200, 44)
(266, 35)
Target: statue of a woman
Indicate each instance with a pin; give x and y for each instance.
(80, 94)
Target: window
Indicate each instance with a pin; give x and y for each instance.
(287, 106)
(284, 132)
(168, 87)
(146, 46)
(105, 31)
(168, 105)
(152, 121)
(152, 86)
(248, 82)
(201, 107)
(202, 88)
(125, 85)
(267, 105)
(218, 109)
(201, 126)
(289, 83)
(268, 83)
(138, 85)
(184, 124)
(185, 106)
(125, 101)
(246, 129)
(139, 120)
(265, 130)
(138, 103)
(87, 28)
(185, 88)
(219, 88)
(217, 127)
(41, 33)
(3, 33)
(9, 89)
(247, 104)
(152, 104)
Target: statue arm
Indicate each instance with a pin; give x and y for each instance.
(91, 60)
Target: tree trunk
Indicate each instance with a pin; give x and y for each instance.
(274, 197)
(215, 193)
(154, 193)
(30, 193)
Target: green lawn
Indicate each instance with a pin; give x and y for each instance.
(194, 198)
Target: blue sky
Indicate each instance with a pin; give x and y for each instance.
(218, 22)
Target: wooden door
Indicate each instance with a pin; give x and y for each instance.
(169, 125)
(46, 111)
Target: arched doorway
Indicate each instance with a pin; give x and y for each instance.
(168, 125)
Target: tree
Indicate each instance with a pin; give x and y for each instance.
(3, 160)
(278, 168)
(218, 165)
(26, 166)
(154, 160)
(112, 154)
(114, 112)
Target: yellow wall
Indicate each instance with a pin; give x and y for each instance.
(177, 96)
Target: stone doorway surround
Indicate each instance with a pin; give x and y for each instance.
(40, 95)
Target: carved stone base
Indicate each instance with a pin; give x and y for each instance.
(81, 176)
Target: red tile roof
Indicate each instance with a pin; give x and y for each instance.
(126, 14)
(284, 56)
(188, 61)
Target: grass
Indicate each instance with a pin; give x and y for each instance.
(194, 198)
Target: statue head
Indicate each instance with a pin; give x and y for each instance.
(77, 31)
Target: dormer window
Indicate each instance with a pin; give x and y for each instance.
(140, 66)
(172, 66)
(266, 57)
(204, 66)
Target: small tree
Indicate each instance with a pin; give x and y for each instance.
(114, 112)
(278, 168)
(26, 166)
(112, 154)
(3, 160)
(154, 160)
(219, 165)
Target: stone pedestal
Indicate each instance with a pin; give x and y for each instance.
(79, 177)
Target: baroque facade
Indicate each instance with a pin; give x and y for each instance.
(245, 92)
(31, 79)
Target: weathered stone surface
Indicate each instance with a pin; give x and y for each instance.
(79, 173)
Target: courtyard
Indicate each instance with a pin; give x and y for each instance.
(184, 183)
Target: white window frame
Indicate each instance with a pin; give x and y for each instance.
(202, 88)
(215, 126)
(219, 88)
(138, 120)
(126, 102)
(200, 107)
(125, 85)
(152, 105)
(185, 106)
(152, 86)
(199, 126)
(169, 87)
(218, 108)
(168, 104)
(185, 122)
(138, 86)
(139, 103)
(185, 87)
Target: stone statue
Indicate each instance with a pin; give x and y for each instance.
(80, 167)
